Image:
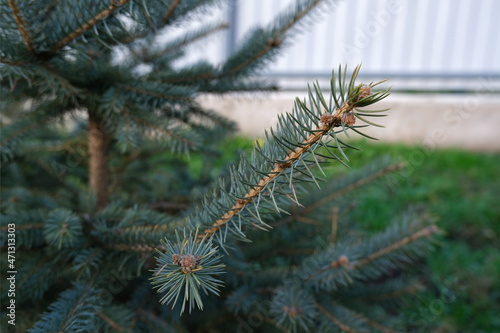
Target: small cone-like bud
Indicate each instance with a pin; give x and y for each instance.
(176, 259)
(188, 263)
(365, 91)
(348, 119)
(327, 119)
(274, 42)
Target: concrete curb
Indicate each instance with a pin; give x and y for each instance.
(468, 121)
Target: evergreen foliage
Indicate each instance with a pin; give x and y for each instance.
(111, 227)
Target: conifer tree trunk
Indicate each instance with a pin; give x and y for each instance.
(98, 164)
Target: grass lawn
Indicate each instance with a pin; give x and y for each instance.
(462, 191)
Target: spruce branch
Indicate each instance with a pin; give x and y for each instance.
(278, 31)
(373, 293)
(425, 232)
(260, 46)
(294, 309)
(126, 229)
(186, 268)
(253, 194)
(336, 193)
(333, 319)
(114, 5)
(21, 25)
(343, 264)
(180, 139)
(292, 128)
(11, 62)
(174, 94)
(113, 324)
(170, 10)
(176, 45)
(378, 326)
(74, 311)
(29, 228)
(63, 229)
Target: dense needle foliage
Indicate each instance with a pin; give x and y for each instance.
(112, 233)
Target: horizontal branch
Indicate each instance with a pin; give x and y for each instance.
(344, 262)
(11, 62)
(113, 6)
(153, 127)
(155, 94)
(426, 232)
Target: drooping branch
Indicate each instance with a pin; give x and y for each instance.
(21, 25)
(113, 6)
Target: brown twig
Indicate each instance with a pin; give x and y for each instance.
(334, 320)
(426, 232)
(114, 325)
(21, 25)
(11, 62)
(335, 221)
(26, 226)
(170, 11)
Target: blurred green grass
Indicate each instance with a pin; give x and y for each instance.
(461, 190)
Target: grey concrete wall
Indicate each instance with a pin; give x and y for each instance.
(469, 121)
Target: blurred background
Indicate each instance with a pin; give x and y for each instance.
(426, 45)
(442, 59)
